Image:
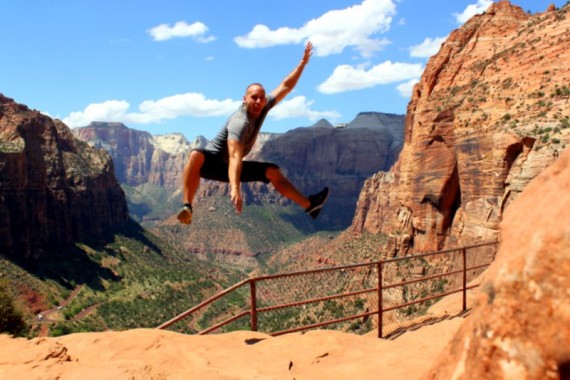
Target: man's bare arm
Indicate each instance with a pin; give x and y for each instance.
(291, 80)
(235, 149)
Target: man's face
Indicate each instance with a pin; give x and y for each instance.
(254, 99)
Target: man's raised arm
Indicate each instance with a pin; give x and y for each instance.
(291, 80)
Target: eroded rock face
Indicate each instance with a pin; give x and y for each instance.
(139, 157)
(340, 158)
(520, 325)
(54, 189)
(489, 113)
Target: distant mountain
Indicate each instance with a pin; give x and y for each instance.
(323, 123)
(341, 158)
(139, 157)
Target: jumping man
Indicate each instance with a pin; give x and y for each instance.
(222, 159)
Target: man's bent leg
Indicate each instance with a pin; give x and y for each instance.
(190, 183)
(312, 204)
(191, 176)
(285, 187)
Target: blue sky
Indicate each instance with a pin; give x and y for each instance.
(182, 66)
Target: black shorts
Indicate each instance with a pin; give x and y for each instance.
(216, 168)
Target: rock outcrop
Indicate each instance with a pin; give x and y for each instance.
(54, 189)
(520, 325)
(489, 113)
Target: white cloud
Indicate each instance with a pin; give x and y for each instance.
(261, 36)
(120, 41)
(189, 104)
(299, 106)
(426, 49)
(111, 110)
(152, 111)
(347, 78)
(181, 29)
(405, 89)
(332, 32)
(472, 9)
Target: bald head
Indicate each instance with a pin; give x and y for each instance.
(254, 99)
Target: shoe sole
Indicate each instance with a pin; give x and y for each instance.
(183, 216)
(317, 209)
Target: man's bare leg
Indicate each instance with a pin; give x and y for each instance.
(312, 204)
(286, 188)
(190, 184)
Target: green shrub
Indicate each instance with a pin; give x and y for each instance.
(11, 318)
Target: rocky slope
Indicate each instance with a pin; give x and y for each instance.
(54, 189)
(489, 113)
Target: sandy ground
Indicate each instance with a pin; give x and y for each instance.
(157, 354)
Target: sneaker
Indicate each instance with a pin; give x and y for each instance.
(185, 215)
(317, 202)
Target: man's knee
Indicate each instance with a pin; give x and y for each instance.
(194, 165)
(272, 172)
(196, 158)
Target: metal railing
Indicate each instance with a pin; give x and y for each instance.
(399, 292)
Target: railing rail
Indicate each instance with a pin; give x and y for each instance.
(400, 286)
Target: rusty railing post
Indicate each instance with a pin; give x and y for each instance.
(253, 303)
(380, 301)
(464, 252)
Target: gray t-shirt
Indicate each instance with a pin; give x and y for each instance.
(240, 127)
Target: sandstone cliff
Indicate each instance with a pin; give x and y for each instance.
(520, 324)
(54, 189)
(489, 113)
(138, 156)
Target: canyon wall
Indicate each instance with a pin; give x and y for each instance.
(488, 115)
(54, 189)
